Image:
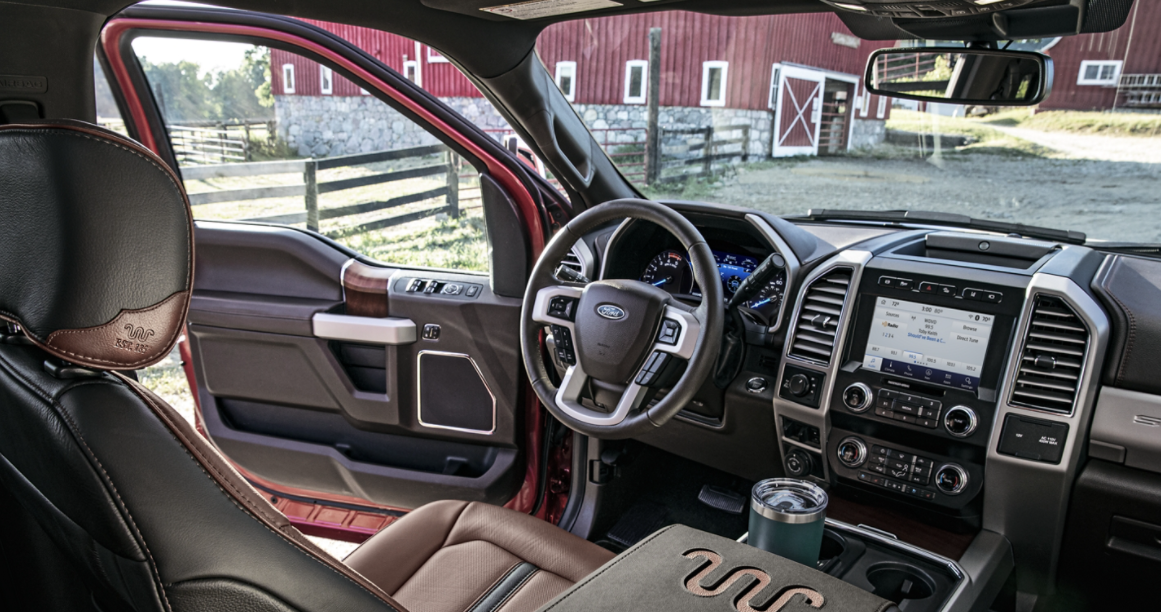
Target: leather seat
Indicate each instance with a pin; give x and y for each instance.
(109, 500)
(453, 556)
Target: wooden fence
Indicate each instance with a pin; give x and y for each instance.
(311, 188)
(216, 143)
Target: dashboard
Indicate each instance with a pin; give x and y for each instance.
(949, 377)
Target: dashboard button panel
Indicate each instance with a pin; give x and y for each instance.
(801, 385)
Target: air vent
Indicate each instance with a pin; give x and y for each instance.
(1053, 357)
(573, 260)
(816, 330)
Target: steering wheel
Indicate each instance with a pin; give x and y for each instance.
(621, 333)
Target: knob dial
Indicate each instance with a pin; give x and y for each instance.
(799, 385)
(852, 452)
(951, 479)
(857, 397)
(798, 463)
(960, 421)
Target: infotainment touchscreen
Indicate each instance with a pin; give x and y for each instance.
(930, 343)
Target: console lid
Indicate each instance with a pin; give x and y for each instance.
(679, 569)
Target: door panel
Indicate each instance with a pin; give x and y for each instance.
(344, 417)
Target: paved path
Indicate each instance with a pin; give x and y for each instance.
(1093, 146)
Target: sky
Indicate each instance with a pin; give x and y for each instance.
(211, 56)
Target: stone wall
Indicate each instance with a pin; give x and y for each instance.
(322, 126)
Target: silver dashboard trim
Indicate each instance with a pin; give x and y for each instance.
(856, 260)
(1027, 501)
(419, 393)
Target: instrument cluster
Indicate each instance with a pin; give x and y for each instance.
(671, 270)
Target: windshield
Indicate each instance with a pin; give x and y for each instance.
(771, 112)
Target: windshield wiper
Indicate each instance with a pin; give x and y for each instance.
(940, 218)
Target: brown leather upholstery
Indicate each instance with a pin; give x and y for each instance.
(450, 556)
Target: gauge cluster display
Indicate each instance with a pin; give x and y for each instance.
(671, 271)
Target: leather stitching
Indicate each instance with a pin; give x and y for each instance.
(75, 431)
(249, 509)
(495, 585)
(122, 363)
(78, 131)
(513, 592)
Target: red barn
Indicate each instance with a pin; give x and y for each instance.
(793, 83)
(1112, 70)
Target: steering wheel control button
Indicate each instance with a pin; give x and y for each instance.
(670, 329)
(960, 421)
(951, 479)
(857, 397)
(852, 452)
(756, 384)
(562, 307)
(654, 366)
(562, 337)
(801, 385)
(1033, 439)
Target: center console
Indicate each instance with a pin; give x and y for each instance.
(893, 373)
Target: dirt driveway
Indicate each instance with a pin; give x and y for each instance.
(1114, 200)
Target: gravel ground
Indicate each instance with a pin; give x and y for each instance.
(1107, 199)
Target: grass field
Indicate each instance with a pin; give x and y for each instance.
(1109, 124)
(987, 138)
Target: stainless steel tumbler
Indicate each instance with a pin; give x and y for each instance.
(787, 517)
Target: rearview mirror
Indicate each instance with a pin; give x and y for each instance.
(956, 75)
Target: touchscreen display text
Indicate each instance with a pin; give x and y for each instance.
(930, 343)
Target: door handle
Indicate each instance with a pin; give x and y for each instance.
(368, 330)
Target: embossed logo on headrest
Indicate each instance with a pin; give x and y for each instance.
(136, 340)
(693, 585)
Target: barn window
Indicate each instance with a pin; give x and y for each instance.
(566, 79)
(635, 75)
(713, 83)
(882, 110)
(435, 57)
(288, 78)
(865, 107)
(1098, 73)
(326, 80)
(775, 74)
(411, 70)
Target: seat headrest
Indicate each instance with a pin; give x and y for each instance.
(96, 245)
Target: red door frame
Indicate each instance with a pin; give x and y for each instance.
(322, 519)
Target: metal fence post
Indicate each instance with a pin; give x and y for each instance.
(453, 185)
(653, 127)
(310, 177)
(708, 151)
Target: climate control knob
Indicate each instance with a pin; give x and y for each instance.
(960, 421)
(852, 452)
(951, 479)
(857, 397)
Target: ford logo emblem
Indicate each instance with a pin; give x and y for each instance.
(609, 311)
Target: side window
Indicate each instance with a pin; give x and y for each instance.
(775, 76)
(301, 145)
(108, 115)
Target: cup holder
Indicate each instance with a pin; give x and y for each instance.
(897, 581)
(832, 546)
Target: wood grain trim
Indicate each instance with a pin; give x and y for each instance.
(939, 541)
(365, 288)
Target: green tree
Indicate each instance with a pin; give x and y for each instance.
(187, 94)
